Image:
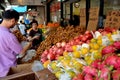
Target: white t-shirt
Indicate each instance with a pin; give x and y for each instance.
(22, 29)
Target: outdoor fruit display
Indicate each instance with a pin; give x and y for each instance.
(57, 50)
(85, 55)
(59, 34)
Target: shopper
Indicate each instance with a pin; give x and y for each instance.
(35, 35)
(9, 45)
(22, 28)
(75, 21)
(15, 28)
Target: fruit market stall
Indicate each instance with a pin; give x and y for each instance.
(93, 55)
(71, 53)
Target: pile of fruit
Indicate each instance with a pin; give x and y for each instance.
(73, 59)
(59, 35)
(106, 68)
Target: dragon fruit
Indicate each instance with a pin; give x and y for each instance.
(88, 77)
(105, 74)
(90, 70)
(108, 49)
(116, 44)
(116, 75)
(96, 64)
(102, 65)
(118, 62)
(112, 60)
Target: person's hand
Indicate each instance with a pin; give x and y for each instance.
(29, 39)
(24, 38)
(29, 44)
(36, 37)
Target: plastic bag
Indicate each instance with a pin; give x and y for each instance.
(37, 66)
(116, 37)
(29, 55)
(65, 76)
(24, 43)
(105, 41)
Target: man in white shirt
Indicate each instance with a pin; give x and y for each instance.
(22, 28)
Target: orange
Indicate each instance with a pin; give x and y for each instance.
(46, 63)
(77, 65)
(58, 74)
(65, 53)
(99, 42)
(96, 46)
(76, 54)
(74, 48)
(84, 51)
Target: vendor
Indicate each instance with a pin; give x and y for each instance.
(9, 45)
(35, 35)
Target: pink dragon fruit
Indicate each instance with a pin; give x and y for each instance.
(105, 74)
(88, 77)
(90, 70)
(116, 44)
(102, 65)
(108, 49)
(118, 62)
(96, 64)
(112, 60)
(116, 75)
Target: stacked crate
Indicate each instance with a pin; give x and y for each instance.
(83, 18)
(93, 18)
(113, 19)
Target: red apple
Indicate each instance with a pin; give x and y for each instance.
(58, 45)
(51, 56)
(60, 51)
(87, 32)
(84, 39)
(80, 37)
(63, 44)
(43, 59)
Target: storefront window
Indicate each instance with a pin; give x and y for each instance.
(55, 11)
(66, 10)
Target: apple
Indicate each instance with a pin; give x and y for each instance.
(60, 51)
(87, 32)
(58, 45)
(80, 37)
(63, 44)
(51, 56)
(84, 39)
(43, 59)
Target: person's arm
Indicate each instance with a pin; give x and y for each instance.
(23, 51)
(30, 38)
(16, 47)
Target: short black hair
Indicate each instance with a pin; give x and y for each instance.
(34, 21)
(10, 14)
(21, 21)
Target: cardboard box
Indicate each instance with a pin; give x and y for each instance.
(92, 25)
(82, 12)
(45, 74)
(24, 72)
(21, 72)
(83, 21)
(93, 13)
